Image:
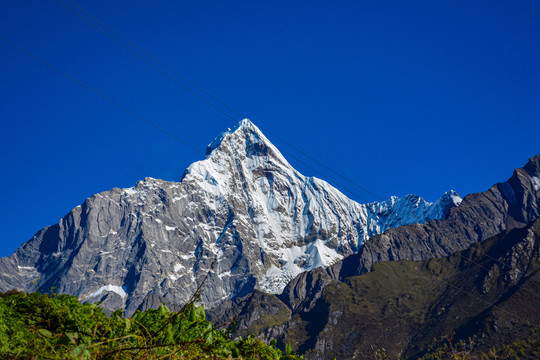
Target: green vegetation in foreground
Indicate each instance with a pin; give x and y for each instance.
(37, 326)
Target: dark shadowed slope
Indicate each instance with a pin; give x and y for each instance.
(505, 206)
(488, 292)
(511, 204)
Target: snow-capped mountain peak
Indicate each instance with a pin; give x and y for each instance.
(244, 141)
(243, 214)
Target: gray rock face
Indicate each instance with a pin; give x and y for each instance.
(487, 291)
(505, 206)
(508, 205)
(243, 215)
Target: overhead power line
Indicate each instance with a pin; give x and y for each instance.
(146, 61)
(498, 261)
(103, 96)
(215, 98)
(494, 304)
(197, 150)
(207, 94)
(323, 165)
(477, 298)
(147, 54)
(137, 115)
(504, 264)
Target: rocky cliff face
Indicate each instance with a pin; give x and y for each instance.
(488, 292)
(505, 206)
(511, 204)
(243, 215)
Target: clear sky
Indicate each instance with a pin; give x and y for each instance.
(399, 96)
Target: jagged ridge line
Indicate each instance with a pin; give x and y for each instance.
(323, 165)
(324, 176)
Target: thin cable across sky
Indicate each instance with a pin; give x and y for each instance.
(114, 33)
(102, 95)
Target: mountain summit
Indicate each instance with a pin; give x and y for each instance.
(243, 215)
(246, 137)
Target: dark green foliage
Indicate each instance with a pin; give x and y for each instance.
(60, 327)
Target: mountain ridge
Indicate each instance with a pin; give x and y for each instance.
(243, 215)
(506, 205)
(487, 293)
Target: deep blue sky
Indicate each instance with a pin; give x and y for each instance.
(400, 96)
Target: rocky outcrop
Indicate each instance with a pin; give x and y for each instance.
(503, 207)
(487, 293)
(507, 205)
(243, 216)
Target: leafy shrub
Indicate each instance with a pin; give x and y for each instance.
(52, 326)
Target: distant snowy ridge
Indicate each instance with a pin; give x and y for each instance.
(243, 214)
(379, 217)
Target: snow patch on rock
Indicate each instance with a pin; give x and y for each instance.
(535, 182)
(107, 288)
